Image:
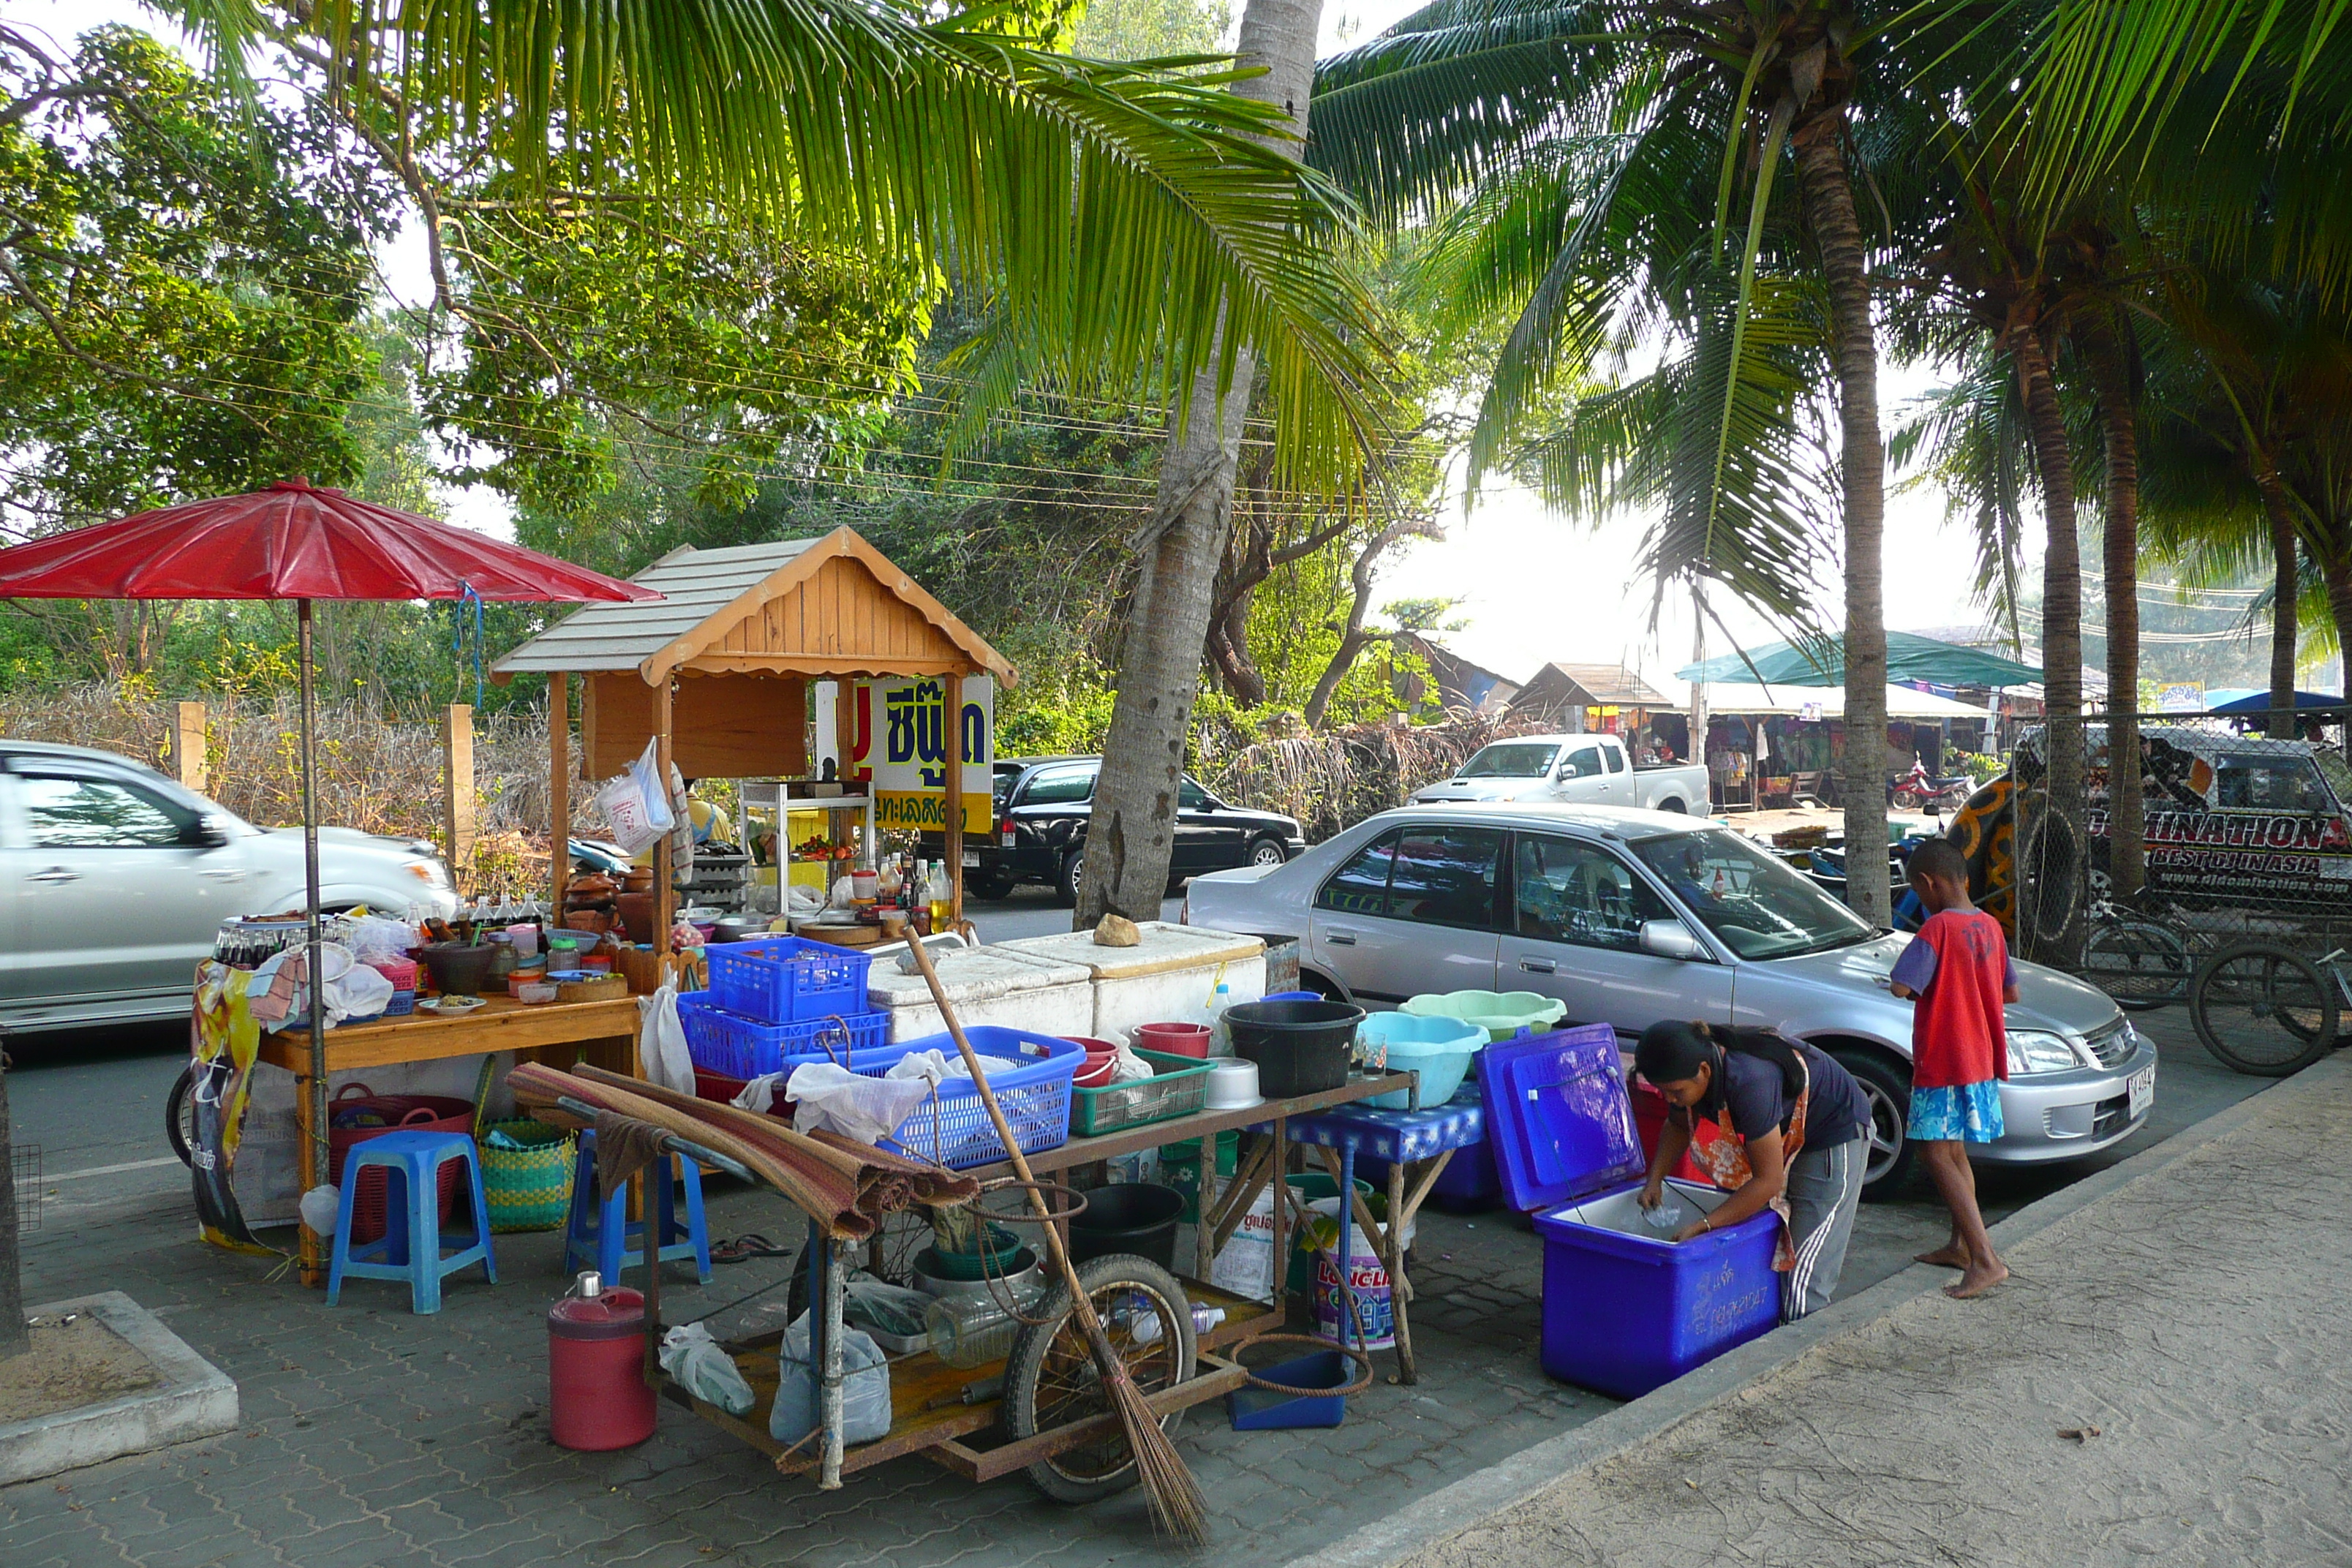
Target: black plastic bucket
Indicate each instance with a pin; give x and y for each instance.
(1138, 1217)
(1300, 1047)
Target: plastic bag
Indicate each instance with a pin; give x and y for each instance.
(1126, 1067)
(829, 1097)
(692, 1356)
(661, 1042)
(320, 1207)
(374, 939)
(864, 1387)
(635, 806)
(757, 1095)
(885, 1309)
(933, 1066)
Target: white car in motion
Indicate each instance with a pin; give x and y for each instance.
(114, 880)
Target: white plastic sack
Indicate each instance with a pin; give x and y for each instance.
(359, 992)
(864, 1387)
(661, 1042)
(374, 938)
(935, 1066)
(635, 806)
(692, 1356)
(320, 1207)
(828, 1097)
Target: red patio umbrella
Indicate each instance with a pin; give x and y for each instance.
(294, 541)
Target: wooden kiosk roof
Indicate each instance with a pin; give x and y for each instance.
(829, 606)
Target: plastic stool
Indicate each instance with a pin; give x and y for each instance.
(600, 1232)
(412, 1243)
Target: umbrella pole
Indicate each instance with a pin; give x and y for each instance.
(314, 1148)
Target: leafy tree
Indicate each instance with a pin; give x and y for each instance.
(1152, 29)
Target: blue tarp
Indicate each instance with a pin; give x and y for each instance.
(1910, 659)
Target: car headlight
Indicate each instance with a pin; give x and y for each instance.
(431, 873)
(2039, 1050)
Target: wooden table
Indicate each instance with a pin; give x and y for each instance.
(557, 1033)
(1251, 1176)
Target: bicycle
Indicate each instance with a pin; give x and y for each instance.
(2264, 1010)
(2140, 961)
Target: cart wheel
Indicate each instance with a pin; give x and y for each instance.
(1050, 1380)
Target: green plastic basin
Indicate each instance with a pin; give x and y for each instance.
(1501, 1014)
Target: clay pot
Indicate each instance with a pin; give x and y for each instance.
(595, 922)
(640, 879)
(636, 913)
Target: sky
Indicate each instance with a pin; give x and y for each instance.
(1532, 587)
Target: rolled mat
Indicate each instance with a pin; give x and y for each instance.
(846, 1187)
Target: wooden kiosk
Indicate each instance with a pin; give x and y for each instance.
(717, 671)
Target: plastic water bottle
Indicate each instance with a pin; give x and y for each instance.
(1212, 1014)
(973, 1330)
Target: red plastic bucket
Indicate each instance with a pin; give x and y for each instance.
(1173, 1039)
(399, 1113)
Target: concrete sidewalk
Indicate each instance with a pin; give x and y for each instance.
(2190, 1304)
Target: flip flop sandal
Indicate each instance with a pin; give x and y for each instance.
(743, 1249)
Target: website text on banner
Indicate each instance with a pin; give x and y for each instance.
(899, 747)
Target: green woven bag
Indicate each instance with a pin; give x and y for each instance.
(529, 1188)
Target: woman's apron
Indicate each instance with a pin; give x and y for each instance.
(1724, 1158)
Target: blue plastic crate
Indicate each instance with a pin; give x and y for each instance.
(787, 979)
(954, 1129)
(722, 1041)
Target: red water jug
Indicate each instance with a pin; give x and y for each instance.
(598, 1398)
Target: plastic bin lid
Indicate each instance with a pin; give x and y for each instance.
(1558, 1116)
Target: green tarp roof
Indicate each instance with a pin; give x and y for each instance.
(1909, 657)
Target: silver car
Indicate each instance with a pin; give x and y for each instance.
(113, 880)
(1633, 916)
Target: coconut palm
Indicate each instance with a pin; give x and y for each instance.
(1132, 224)
(1572, 126)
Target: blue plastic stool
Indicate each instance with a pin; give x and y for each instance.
(601, 1232)
(412, 1243)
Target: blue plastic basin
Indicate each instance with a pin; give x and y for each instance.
(1440, 1049)
(1267, 1410)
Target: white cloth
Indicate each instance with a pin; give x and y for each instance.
(827, 1097)
(933, 1066)
(662, 1054)
(757, 1095)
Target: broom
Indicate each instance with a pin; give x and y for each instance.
(1177, 1507)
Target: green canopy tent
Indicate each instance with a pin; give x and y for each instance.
(1909, 657)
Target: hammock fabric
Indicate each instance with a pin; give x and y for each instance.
(846, 1187)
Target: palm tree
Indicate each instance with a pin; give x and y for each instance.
(1584, 146)
(1133, 225)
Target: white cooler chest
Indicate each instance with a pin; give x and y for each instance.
(987, 986)
(1165, 979)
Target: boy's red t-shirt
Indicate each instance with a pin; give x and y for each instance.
(1957, 966)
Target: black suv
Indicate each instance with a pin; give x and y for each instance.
(1043, 804)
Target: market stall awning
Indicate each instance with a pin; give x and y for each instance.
(2260, 701)
(1728, 700)
(1909, 657)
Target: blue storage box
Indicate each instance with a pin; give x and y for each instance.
(787, 979)
(1269, 1410)
(726, 1042)
(1625, 1310)
(954, 1130)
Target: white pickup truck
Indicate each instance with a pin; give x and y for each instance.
(1590, 770)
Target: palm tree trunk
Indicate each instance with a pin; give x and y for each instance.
(2335, 570)
(2104, 347)
(2286, 586)
(1828, 194)
(1132, 835)
(2061, 664)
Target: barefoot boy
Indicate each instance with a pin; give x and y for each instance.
(1957, 968)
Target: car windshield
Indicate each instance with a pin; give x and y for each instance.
(1757, 906)
(1510, 760)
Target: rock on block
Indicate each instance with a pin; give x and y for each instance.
(1117, 930)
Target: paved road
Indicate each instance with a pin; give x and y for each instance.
(1034, 911)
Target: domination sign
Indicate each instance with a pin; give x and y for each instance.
(903, 731)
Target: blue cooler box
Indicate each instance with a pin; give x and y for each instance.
(1625, 1310)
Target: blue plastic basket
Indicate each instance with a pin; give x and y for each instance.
(954, 1130)
(727, 1042)
(787, 979)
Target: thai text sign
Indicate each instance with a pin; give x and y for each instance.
(903, 732)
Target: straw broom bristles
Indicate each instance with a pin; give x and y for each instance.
(1177, 1505)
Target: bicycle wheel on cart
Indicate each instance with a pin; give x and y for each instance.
(1050, 1380)
(2140, 966)
(2263, 1010)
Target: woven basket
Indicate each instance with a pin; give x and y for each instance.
(527, 1189)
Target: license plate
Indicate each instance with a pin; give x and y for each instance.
(972, 860)
(2142, 1090)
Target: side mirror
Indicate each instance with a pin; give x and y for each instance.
(205, 833)
(1670, 938)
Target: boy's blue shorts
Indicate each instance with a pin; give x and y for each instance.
(1969, 1112)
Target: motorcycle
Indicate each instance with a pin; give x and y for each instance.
(1919, 790)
